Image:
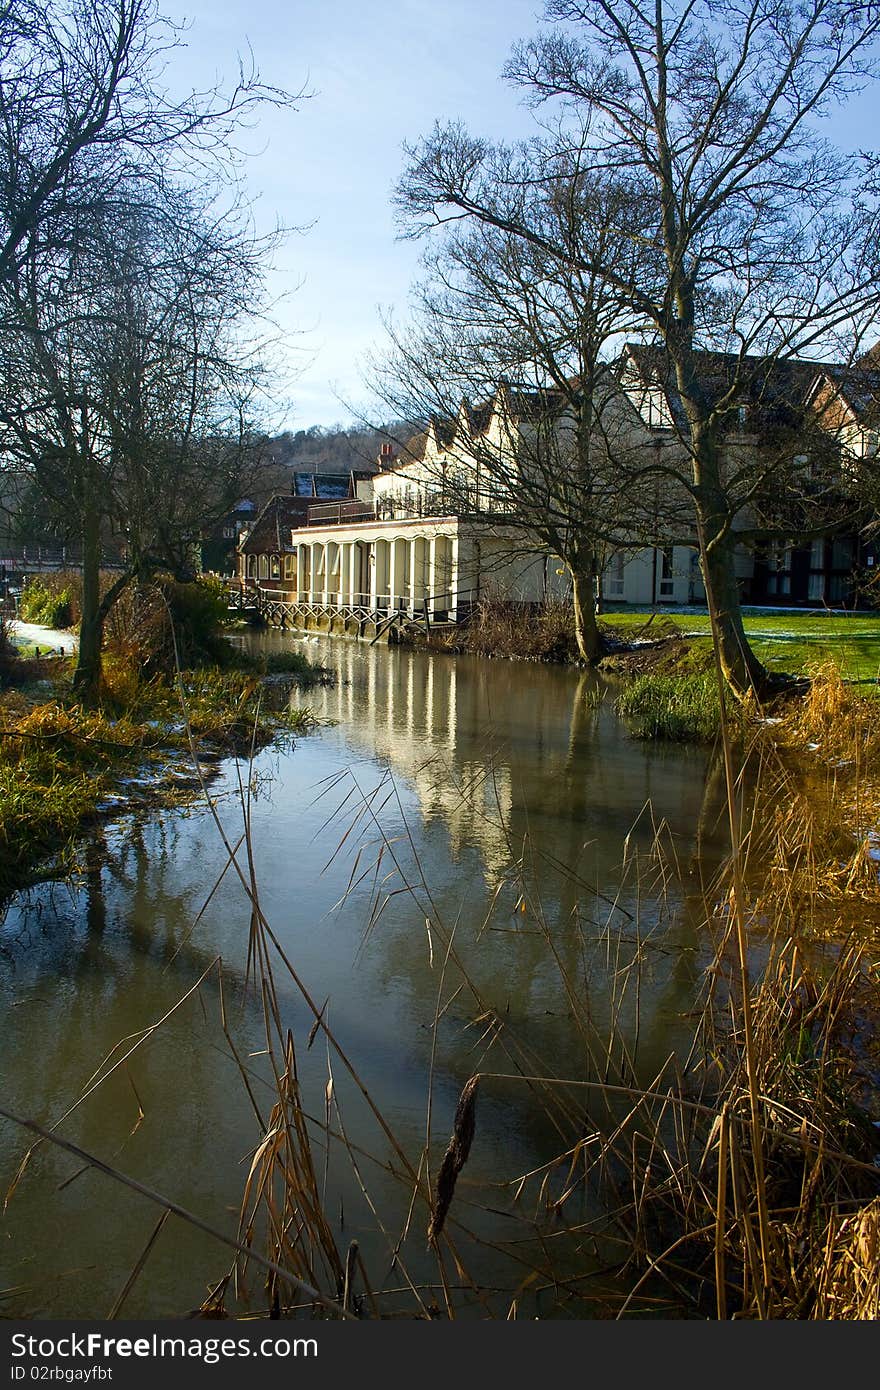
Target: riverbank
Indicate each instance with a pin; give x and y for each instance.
(150, 744)
(636, 642)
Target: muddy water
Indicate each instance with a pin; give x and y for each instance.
(501, 802)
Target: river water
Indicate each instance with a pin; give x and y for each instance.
(500, 806)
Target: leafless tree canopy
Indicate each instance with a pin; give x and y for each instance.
(131, 285)
(747, 232)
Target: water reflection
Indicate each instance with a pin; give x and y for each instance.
(499, 807)
(504, 752)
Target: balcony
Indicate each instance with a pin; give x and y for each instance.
(338, 513)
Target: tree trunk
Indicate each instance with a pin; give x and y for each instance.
(87, 676)
(742, 669)
(586, 629)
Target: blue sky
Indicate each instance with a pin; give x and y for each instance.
(381, 71)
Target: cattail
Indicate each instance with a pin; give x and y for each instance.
(456, 1156)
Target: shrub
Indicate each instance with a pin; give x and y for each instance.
(291, 663)
(151, 619)
(48, 606)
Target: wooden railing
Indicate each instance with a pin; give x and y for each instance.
(375, 615)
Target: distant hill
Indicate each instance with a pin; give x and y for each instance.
(319, 450)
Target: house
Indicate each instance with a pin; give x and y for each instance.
(817, 419)
(440, 522)
(219, 544)
(426, 535)
(835, 569)
(265, 550)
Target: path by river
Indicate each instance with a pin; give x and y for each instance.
(35, 634)
(503, 800)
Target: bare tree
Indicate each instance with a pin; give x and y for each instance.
(501, 326)
(134, 380)
(762, 243)
(82, 105)
(124, 283)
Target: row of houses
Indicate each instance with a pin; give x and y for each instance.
(437, 524)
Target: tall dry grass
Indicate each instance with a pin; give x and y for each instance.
(542, 632)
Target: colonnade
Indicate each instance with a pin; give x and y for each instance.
(400, 572)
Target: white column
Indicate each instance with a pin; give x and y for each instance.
(453, 575)
(432, 574)
(328, 569)
(345, 573)
(401, 571)
(313, 573)
(354, 570)
(413, 555)
(392, 573)
(373, 565)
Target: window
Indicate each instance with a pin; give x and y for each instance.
(276, 567)
(779, 569)
(667, 583)
(264, 567)
(841, 555)
(816, 587)
(229, 533)
(290, 567)
(615, 576)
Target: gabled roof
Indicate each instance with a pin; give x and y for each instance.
(756, 376)
(774, 390)
(474, 420)
(270, 533)
(858, 386)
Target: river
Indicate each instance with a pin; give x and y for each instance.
(500, 806)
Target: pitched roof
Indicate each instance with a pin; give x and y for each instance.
(718, 371)
(775, 390)
(331, 487)
(859, 385)
(270, 533)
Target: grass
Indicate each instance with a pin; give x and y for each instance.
(61, 765)
(783, 642)
(789, 642)
(677, 708)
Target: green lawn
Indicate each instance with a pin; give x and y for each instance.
(27, 647)
(789, 642)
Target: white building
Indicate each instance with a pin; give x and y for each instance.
(440, 526)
